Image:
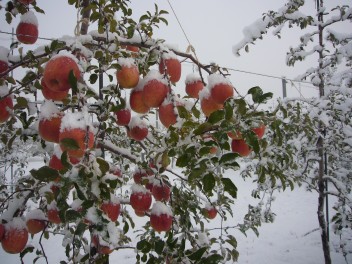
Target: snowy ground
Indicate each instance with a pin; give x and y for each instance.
(291, 239)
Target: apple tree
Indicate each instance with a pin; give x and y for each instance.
(87, 104)
(318, 129)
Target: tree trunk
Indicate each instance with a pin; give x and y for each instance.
(320, 146)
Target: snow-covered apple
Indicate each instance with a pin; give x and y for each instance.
(168, 112)
(194, 85)
(76, 134)
(6, 104)
(15, 237)
(51, 95)
(50, 122)
(115, 170)
(138, 129)
(160, 217)
(123, 116)
(55, 160)
(171, 65)
(161, 191)
(155, 89)
(141, 198)
(111, 208)
(57, 71)
(27, 30)
(210, 211)
(136, 100)
(128, 75)
(139, 175)
(35, 221)
(207, 103)
(259, 131)
(220, 88)
(241, 147)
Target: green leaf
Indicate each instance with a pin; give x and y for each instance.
(80, 229)
(182, 161)
(144, 246)
(195, 174)
(93, 78)
(22, 102)
(202, 128)
(182, 112)
(72, 215)
(256, 93)
(198, 254)
(159, 246)
(228, 108)
(45, 174)
(229, 187)
(229, 160)
(213, 259)
(241, 106)
(252, 141)
(73, 81)
(80, 194)
(103, 165)
(69, 144)
(216, 116)
(208, 183)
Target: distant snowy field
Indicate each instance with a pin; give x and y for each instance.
(290, 239)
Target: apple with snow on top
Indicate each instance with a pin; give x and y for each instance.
(111, 208)
(161, 191)
(53, 216)
(76, 135)
(123, 116)
(50, 95)
(128, 75)
(241, 147)
(15, 237)
(160, 217)
(207, 103)
(2, 231)
(102, 249)
(170, 65)
(136, 99)
(50, 122)
(140, 199)
(155, 89)
(220, 88)
(57, 71)
(6, 104)
(259, 131)
(35, 221)
(168, 112)
(27, 30)
(194, 85)
(26, 2)
(210, 211)
(138, 129)
(55, 160)
(139, 175)
(115, 171)
(4, 62)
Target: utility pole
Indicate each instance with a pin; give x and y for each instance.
(284, 93)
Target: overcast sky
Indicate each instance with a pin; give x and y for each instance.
(212, 27)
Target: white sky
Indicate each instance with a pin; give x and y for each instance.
(213, 27)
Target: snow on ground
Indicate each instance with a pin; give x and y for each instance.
(292, 239)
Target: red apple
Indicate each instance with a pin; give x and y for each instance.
(132, 48)
(4, 66)
(235, 134)
(56, 164)
(172, 67)
(27, 30)
(84, 140)
(139, 213)
(259, 131)
(241, 147)
(136, 101)
(138, 175)
(6, 105)
(161, 191)
(2, 231)
(50, 95)
(49, 128)
(116, 171)
(138, 129)
(155, 89)
(53, 216)
(208, 105)
(128, 75)
(26, 2)
(35, 226)
(167, 114)
(112, 209)
(220, 88)
(57, 71)
(193, 85)
(140, 198)
(161, 217)
(210, 212)
(123, 116)
(4, 62)
(15, 237)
